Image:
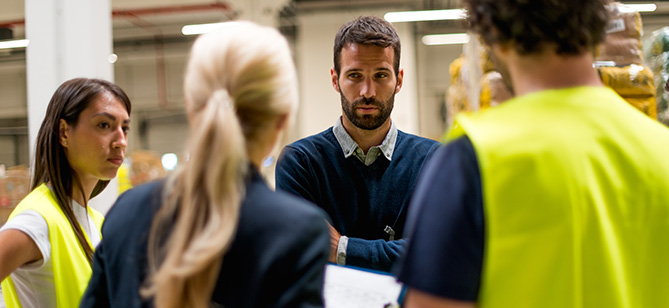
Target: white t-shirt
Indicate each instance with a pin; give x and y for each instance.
(34, 281)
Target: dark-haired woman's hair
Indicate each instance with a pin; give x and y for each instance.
(51, 164)
(571, 26)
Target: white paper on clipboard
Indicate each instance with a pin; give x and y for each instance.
(347, 287)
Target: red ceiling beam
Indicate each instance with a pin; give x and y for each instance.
(145, 11)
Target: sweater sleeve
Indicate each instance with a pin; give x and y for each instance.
(373, 254)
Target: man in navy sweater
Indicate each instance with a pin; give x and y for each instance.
(362, 170)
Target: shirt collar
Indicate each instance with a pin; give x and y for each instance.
(348, 145)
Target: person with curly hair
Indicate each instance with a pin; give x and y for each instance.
(558, 197)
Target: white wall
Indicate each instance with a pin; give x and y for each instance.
(434, 78)
(13, 101)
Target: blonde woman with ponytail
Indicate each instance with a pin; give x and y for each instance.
(214, 234)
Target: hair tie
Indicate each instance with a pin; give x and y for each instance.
(223, 97)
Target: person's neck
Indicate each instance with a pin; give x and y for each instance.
(82, 198)
(549, 71)
(366, 138)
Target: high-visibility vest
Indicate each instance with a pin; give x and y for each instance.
(71, 270)
(575, 186)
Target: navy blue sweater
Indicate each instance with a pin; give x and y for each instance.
(361, 200)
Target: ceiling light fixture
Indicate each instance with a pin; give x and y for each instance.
(200, 28)
(445, 39)
(642, 7)
(452, 14)
(13, 44)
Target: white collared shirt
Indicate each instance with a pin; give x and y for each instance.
(350, 147)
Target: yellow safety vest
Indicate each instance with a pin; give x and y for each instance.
(71, 270)
(575, 187)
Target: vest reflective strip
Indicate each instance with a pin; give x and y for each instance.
(571, 183)
(71, 270)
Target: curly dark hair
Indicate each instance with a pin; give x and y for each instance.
(572, 26)
(367, 30)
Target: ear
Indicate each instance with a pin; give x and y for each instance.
(400, 79)
(63, 132)
(335, 79)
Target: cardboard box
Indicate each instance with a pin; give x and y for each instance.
(623, 37)
(14, 186)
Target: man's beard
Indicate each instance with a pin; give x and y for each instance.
(367, 121)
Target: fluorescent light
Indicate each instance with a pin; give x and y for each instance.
(452, 14)
(13, 44)
(445, 39)
(642, 7)
(199, 29)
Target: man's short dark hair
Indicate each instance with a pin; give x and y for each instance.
(571, 26)
(367, 30)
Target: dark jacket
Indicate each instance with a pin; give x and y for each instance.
(277, 258)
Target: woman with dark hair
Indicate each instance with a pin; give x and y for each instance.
(46, 246)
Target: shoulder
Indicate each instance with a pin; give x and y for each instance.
(283, 206)
(413, 140)
(43, 201)
(279, 213)
(30, 222)
(135, 206)
(142, 193)
(308, 150)
(325, 138)
(38, 197)
(416, 145)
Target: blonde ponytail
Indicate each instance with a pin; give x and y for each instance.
(238, 80)
(211, 186)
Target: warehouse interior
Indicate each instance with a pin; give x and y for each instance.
(150, 51)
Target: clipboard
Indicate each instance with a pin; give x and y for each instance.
(354, 287)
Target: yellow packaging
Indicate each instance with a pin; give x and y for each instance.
(486, 62)
(646, 105)
(485, 93)
(632, 80)
(456, 95)
(454, 69)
